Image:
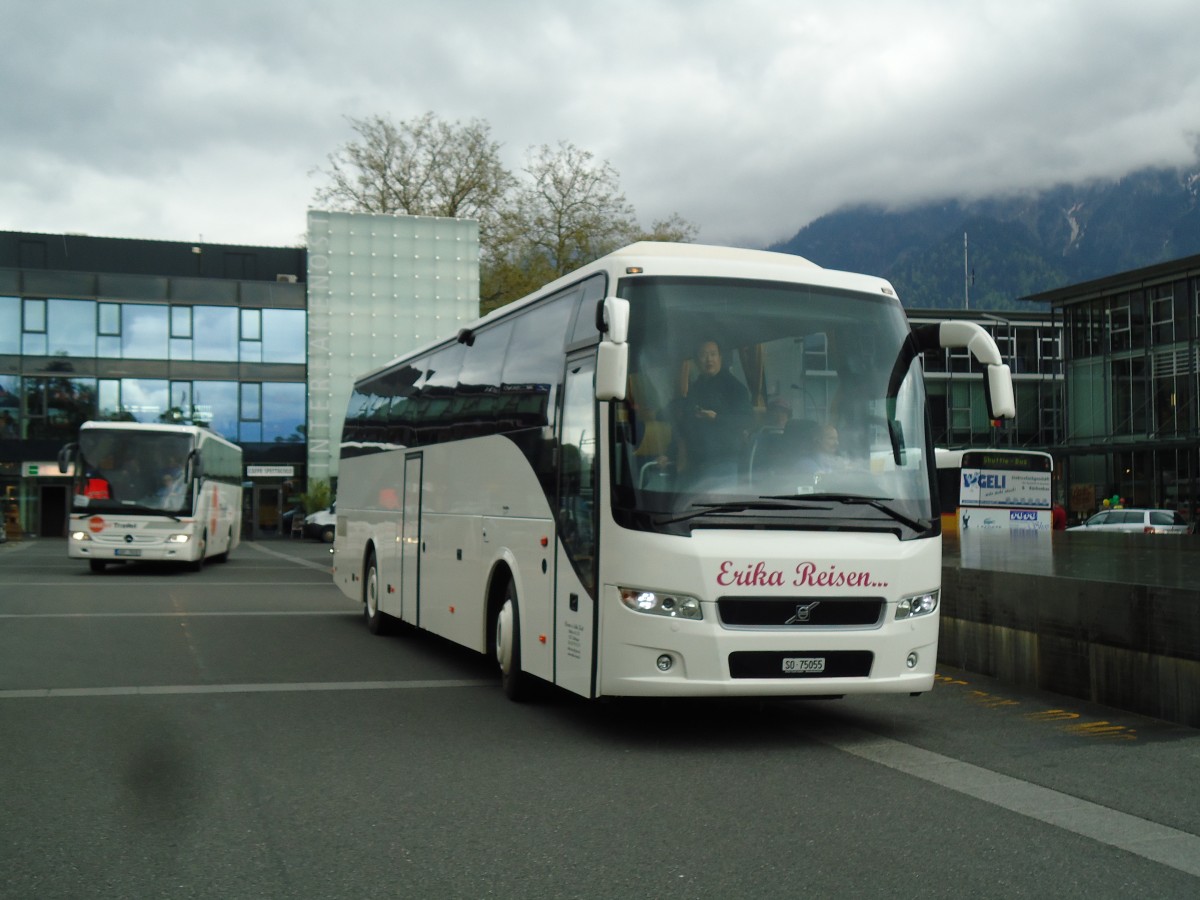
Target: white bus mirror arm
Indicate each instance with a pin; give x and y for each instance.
(974, 338)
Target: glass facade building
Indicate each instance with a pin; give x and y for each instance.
(147, 331)
(1131, 346)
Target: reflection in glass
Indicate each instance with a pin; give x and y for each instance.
(144, 331)
(10, 406)
(71, 328)
(216, 403)
(214, 333)
(250, 351)
(35, 315)
(181, 321)
(108, 317)
(10, 325)
(251, 407)
(283, 411)
(284, 335)
(143, 399)
(56, 407)
(251, 325)
(110, 398)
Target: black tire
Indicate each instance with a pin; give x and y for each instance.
(327, 534)
(507, 646)
(96, 565)
(377, 621)
(224, 557)
(197, 565)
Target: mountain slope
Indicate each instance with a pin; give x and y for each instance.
(1016, 245)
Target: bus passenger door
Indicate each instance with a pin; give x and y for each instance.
(410, 542)
(575, 580)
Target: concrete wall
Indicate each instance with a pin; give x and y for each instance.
(1130, 646)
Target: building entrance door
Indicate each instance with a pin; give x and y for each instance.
(52, 521)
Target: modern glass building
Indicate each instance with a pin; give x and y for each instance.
(1131, 345)
(262, 344)
(148, 331)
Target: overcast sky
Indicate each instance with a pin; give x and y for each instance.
(180, 120)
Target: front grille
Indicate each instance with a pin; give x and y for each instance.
(800, 612)
(769, 663)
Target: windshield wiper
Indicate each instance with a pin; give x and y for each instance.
(736, 506)
(863, 500)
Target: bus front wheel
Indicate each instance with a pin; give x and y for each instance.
(508, 646)
(96, 565)
(198, 564)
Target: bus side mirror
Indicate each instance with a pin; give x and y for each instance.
(998, 391)
(65, 457)
(195, 469)
(612, 319)
(997, 379)
(612, 356)
(612, 370)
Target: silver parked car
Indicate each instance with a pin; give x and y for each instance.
(1142, 521)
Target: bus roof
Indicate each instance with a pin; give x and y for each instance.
(668, 258)
(154, 426)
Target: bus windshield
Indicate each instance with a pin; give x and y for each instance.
(132, 471)
(753, 404)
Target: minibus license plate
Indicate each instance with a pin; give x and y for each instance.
(798, 664)
(122, 552)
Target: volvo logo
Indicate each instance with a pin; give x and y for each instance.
(803, 614)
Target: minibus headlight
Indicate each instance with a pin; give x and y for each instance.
(917, 605)
(179, 538)
(80, 536)
(661, 603)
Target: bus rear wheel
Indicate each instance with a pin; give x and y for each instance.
(376, 618)
(508, 646)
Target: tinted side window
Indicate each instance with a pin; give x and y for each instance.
(436, 395)
(477, 404)
(403, 387)
(585, 324)
(534, 364)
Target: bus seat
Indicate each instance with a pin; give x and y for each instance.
(656, 438)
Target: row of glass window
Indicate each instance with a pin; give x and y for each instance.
(110, 330)
(249, 412)
(1025, 348)
(958, 414)
(1164, 314)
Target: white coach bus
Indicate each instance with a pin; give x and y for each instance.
(678, 471)
(146, 492)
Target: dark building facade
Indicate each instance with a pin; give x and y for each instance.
(150, 331)
(1131, 346)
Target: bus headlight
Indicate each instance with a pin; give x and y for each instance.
(80, 536)
(659, 603)
(917, 605)
(178, 538)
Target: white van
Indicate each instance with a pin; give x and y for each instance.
(321, 525)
